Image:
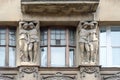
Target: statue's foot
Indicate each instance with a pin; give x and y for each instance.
(92, 63)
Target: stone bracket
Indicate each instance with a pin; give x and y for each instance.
(87, 72)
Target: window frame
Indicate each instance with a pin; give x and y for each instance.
(7, 45)
(67, 45)
(108, 46)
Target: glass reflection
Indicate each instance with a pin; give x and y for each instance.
(44, 56)
(2, 36)
(12, 40)
(2, 56)
(72, 37)
(2, 42)
(12, 56)
(71, 57)
(43, 37)
(116, 56)
(102, 36)
(2, 30)
(115, 36)
(58, 56)
(103, 56)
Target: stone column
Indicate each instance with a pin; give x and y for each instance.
(28, 42)
(88, 50)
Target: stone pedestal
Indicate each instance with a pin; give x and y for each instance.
(28, 73)
(89, 72)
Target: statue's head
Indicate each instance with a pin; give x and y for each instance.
(89, 24)
(31, 25)
(25, 25)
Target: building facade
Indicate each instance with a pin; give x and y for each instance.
(59, 40)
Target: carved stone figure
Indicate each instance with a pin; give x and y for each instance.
(88, 41)
(28, 41)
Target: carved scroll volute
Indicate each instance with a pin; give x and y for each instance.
(28, 43)
(88, 42)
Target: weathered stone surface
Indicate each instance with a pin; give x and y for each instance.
(28, 73)
(88, 42)
(28, 43)
(59, 8)
(90, 72)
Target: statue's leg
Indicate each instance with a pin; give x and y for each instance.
(36, 46)
(26, 51)
(30, 51)
(95, 51)
(87, 48)
(21, 47)
(92, 48)
(82, 52)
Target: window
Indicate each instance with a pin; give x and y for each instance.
(7, 47)
(110, 46)
(57, 47)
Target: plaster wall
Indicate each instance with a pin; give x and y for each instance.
(108, 10)
(10, 10)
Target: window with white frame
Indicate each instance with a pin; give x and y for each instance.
(110, 46)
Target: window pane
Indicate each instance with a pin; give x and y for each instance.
(63, 42)
(58, 56)
(2, 42)
(2, 36)
(2, 56)
(2, 30)
(43, 37)
(52, 36)
(53, 42)
(57, 36)
(103, 56)
(53, 31)
(115, 36)
(44, 56)
(12, 40)
(12, 56)
(58, 31)
(72, 37)
(62, 36)
(45, 42)
(71, 57)
(102, 36)
(116, 56)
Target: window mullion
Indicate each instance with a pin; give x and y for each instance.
(49, 50)
(67, 48)
(7, 48)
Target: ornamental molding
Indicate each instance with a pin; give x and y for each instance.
(89, 70)
(6, 77)
(28, 70)
(113, 77)
(58, 76)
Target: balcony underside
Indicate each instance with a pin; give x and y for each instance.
(59, 7)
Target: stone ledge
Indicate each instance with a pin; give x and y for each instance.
(59, 7)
